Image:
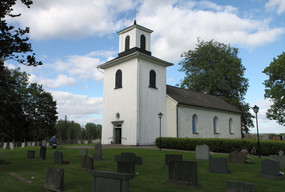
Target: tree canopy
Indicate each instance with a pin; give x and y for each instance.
(214, 68)
(14, 42)
(26, 110)
(275, 89)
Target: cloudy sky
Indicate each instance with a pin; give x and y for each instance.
(72, 37)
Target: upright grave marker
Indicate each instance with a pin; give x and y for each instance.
(58, 157)
(5, 146)
(183, 174)
(11, 145)
(235, 186)
(270, 170)
(83, 151)
(202, 152)
(126, 167)
(98, 151)
(87, 162)
(169, 157)
(44, 143)
(107, 181)
(54, 179)
(279, 158)
(43, 153)
(31, 154)
(237, 157)
(218, 165)
(129, 157)
(29, 144)
(23, 145)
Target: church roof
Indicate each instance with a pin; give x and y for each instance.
(192, 98)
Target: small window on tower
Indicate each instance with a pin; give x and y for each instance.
(152, 79)
(143, 42)
(127, 43)
(118, 83)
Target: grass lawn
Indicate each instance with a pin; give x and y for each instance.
(151, 177)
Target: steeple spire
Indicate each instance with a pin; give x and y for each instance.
(135, 14)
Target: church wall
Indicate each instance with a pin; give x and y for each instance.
(205, 123)
(121, 100)
(171, 117)
(151, 102)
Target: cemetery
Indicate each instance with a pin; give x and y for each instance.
(135, 169)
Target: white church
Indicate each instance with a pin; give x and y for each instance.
(135, 92)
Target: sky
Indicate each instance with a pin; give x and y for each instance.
(73, 37)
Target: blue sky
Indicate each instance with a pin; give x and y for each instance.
(72, 37)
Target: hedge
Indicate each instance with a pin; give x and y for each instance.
(268, 147)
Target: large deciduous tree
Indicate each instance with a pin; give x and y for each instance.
(26, 110)
(215, 69)
(14, 41)
(275, 89)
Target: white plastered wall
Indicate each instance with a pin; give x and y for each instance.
(171, 117)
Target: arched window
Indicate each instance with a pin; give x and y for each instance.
(152, 78)
(143, 42)
(230, 125)
(118, 82)
(216, 124)
(194, 123)
(127, 43)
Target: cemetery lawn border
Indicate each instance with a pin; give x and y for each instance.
(151, 175)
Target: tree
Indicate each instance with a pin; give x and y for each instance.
(13, 41)
(93, 130)
(275, 89)
(215, 69)
(26, 110)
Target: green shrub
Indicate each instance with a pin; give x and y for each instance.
(268, 147)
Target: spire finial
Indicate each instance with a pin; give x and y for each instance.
(135, 14)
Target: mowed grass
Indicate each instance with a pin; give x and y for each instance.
(151, 177)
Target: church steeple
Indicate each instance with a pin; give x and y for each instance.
(134, 38)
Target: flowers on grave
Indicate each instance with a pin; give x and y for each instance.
(253, 150)
(281, 173)
(281, 152)
(249, 159)
(66, 162)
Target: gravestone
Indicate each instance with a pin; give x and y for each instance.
(79, 141)
(129, 157)
(54, 179)
(237, 157)
(37, 143)
(58, 157)
(11, 145)
(183, 174)
(5, 146)
(29, 144)
(107, 181)
(85, 141)
(265, 137)
(33, 144)
(47, 144)
(83, 151)
(126, 167)
(235, 186)
(23, 145)
(98, 151)
(44, 143)
(218, 165)
(279, 158)
(169, 158)
(31, 154)
(43, 153)
(202, 152)
(87, 162)
(270, 170)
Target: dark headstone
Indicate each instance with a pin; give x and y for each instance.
(138, 160)
(270, 170)
(54, 179)
(126, 167)
(218, 165)
(237, 157)
(83, 151)
(98, 151)
(202, 152)
(31, 154)
(87, 162)
(129, 157)
(58, 157)
(279, 158)
(169, 158)
(235, 186)
(183, 174)
(107, 181)
(43, 153)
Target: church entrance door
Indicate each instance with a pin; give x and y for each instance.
(118, 134)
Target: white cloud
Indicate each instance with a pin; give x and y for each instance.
(278, 5)
(54, 19)
(78, 106)
(60, 80)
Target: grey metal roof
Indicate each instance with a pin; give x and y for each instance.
(192, 98)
